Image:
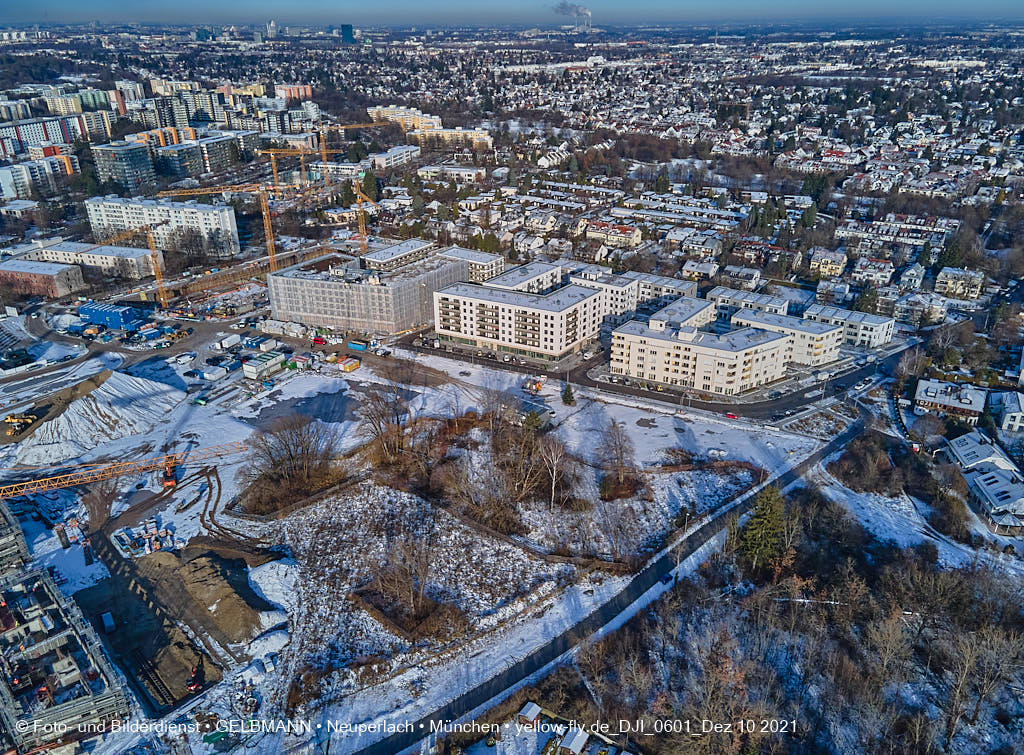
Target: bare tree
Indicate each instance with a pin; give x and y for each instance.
(288, 461)
(997, 656)
(384, 413)
(965, 649)
(618, 452)
(556, 459)
(890, 639)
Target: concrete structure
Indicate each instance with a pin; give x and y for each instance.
(964, 402)
(460, 174)
(127, 163)
(958, 283)
(64, 679)
(728, 301)
(547, 326)
(482, 265)
(13, 550)
(111, 214)
(811, 343)
(392, 257)
(335, 291)
(42, 278)
(124, 261)
(859, 328)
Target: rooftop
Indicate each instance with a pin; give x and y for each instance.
(770, 319)
(556, 301)
(396, 251)
(736, 341)
(34, 268)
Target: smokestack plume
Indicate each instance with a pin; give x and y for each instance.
(572, 9)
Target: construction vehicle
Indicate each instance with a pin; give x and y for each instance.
(16, 423)
(88, 473)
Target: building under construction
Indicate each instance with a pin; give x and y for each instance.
(13, 551)
(55, 681)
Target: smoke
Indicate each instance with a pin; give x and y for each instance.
(571, 9)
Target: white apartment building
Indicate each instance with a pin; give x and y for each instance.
(872, 271)
(125, 261)
(111, 214)
(629, 291)
(460, 174)
(532, 278)
(539, 326)
(482, 265)
(958, 283)
(811, 343)
(859, 328)
(18, 180)
(682, 355)
(728, 301)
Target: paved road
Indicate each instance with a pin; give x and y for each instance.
(619, 604)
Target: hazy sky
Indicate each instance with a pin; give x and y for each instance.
(403, 12)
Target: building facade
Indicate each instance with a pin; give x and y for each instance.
(111, 214)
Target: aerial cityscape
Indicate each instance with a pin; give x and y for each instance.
(536, 379)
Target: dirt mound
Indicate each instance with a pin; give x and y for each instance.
(107, 407)
(219, 588)
(203, 544)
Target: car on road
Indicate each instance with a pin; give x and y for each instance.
(775, 395)
(731, 415)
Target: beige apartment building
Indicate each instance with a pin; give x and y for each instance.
(728, 301)
(546, 326)
(859, 328)
(409, 118)
(828, 264)
(810, 343)
(958, 283)
(726, 364)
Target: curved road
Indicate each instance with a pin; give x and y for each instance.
(580, 632)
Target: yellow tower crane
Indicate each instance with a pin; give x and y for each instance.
(154, 255)
(261, 191)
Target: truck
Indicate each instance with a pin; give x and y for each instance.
(357, 344)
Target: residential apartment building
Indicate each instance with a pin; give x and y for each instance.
(460, 174)
(1008, 408)
(532, 278)
(41, 278)
(409, 118)
(826, 263)
(965, 402)
(859, 328)
(811, 343)
(442, 138)
(124, 261)
(546, 326)
(613, 234)
(728, 301)
(995, 484)
(111, 214)
(18, 181)
(127, 163)
(17, 136)
(958, 283)
(872, 272)
(482, 265)
(672, 351)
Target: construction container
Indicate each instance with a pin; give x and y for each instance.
(348, 364)
(110, 315)
(228, 341)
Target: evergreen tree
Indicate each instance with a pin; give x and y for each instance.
(348, 196)
(370, 187)
(661, 183)
(567, 395)
(761, 537)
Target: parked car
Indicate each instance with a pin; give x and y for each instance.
(731, 415)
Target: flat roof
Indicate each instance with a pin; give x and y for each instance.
(737, 340)
(785, 321)
(846, 315)
(556, 301)
(78, 247)
(747, 296)
(682, 310)
(33, 267)
(517, 276)
(470, 255)
(396, 251)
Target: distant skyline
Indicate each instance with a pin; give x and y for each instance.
(474, 12)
